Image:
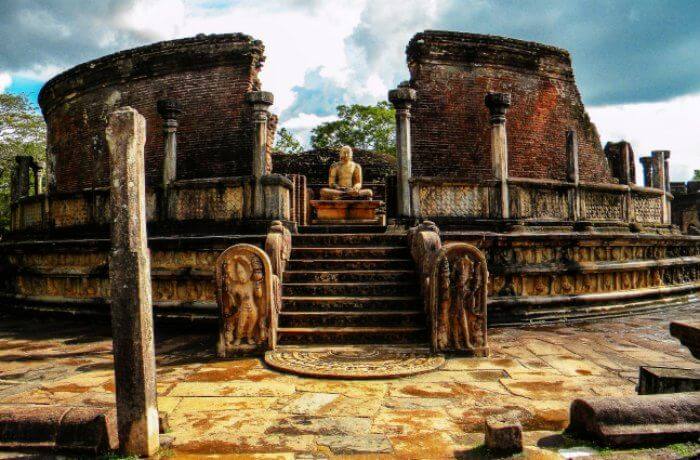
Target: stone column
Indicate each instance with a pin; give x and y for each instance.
(659, 179)
(573, 174)
(169, 110)
(647, 170)
(130, 286)
(498, 104)
(260, 102)
(402, 98)
(22, 182)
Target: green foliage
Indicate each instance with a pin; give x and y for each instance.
(687, 449)
(696, 176)
(22, 132)
(367, 127)
(287, 143)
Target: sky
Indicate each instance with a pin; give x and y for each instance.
(636, 62)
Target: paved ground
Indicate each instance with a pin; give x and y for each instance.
(240, 406)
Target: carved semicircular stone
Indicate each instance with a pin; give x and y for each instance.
(355, 362)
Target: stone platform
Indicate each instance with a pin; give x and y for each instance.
(344, 212)
(244, 409)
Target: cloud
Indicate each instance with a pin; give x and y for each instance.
(302, 125)
(5, 81)
(669, 125)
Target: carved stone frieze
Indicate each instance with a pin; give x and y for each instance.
(458, 290)
(601, 206)
(538, 203)
(647, 209)
(453, 201)
(247, 293)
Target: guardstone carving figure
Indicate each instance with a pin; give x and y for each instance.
(458, 290)
(247, 299)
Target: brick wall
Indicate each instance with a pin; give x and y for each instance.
(207, 75)
(452, 72)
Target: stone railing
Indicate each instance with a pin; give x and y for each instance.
(219, 199)
(454, 280)
(538, 200)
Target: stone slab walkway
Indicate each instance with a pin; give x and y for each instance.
(241, 407)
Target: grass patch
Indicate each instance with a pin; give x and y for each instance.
(685, 449)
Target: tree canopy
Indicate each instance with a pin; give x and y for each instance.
(22, 132)
(368, 127)
(287, 143)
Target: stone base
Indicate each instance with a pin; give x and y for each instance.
(347, 211)
(689, 335)
(657, 380)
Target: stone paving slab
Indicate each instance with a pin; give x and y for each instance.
(242, 409)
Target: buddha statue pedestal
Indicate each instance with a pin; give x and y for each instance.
(347, 212)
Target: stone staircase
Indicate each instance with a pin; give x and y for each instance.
(350, 285)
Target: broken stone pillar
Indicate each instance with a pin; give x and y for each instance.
(169, 110)
(573, 174)
(659, 180)
(632, 421)
(22, 182)
(504, 435)
(130, 286)
(402, 98)
(498, 104)
(260, 102)
(647, 170)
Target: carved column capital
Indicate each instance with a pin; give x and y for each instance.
(402, 98)
(260, 102)
(168, 109)
(498, 104)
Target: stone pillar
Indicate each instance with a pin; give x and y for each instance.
(169, 110)
(659, 179)
(130, 286)
(22, 182)
(573, 174)
(498, 104)
(647, 170)
(260, 102)
(402, 98)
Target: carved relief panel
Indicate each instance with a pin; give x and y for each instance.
(247, 294)
(458, 290)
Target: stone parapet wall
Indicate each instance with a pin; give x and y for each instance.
(208, 76)
(537, 200)
(223, 199)
(685, 208)
(533, 277)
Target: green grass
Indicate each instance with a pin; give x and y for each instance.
(685, 449)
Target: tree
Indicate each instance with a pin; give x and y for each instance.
(367, 127)
(287, 143)
(696, 176)
(22, 132)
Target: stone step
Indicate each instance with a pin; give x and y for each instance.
(342, 229)
(351, 303)
(349, 289)
(381, 318)
(347, 240)
(355, 335)
(349, 264)
(354, 252)
(349, 276)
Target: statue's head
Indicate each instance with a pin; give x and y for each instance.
(345, 153)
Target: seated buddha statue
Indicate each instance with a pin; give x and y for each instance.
(345, 179)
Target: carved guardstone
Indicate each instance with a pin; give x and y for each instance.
(457, 298)
(248, 295)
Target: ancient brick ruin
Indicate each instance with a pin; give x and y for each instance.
(497, 161)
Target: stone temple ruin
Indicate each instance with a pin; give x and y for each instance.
(501, 207)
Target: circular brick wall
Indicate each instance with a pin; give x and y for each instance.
(207, 75)
(452, 72)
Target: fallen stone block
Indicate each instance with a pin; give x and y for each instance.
(504, 434)
(689, 335)
(58, 428)
(637, 420)
(658, 380)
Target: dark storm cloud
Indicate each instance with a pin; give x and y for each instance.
(61, 33)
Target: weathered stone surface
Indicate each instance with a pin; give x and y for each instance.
(356, 444)
(58, 428)
(504, 434)
(637, 420)
(130, 286)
